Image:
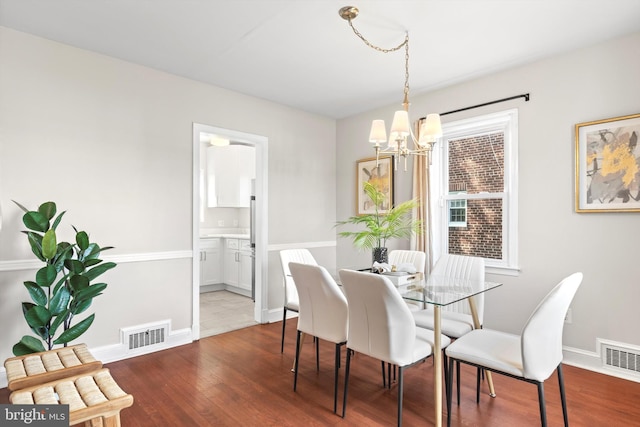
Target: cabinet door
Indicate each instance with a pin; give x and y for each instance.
(231, 262)
(229, 175)
(210, 262)
(246, 258)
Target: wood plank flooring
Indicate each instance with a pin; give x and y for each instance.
(241, 379)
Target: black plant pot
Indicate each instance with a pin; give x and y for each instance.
(381, 255)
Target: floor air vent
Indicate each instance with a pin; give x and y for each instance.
(621, 357)
(145, 335)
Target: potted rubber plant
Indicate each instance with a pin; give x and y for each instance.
(62, 289)
(396, 223)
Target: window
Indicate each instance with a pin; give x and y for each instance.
(475, 190)
(457, 213)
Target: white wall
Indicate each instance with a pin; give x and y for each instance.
(111, 143)
(589, 84)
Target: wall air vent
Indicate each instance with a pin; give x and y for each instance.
(145, 335)
(621, 357)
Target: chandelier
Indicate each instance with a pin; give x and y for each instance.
(401, 132)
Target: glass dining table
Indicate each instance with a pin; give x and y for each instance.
(439, 292)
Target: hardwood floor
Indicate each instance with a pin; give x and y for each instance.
(241, 379)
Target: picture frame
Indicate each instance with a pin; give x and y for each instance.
(607, 157)
(381, 176)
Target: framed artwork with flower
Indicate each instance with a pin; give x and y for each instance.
(608, 165)
(381, 176)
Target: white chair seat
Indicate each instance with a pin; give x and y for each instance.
(495, 350)
(425, 337)
(452, 324)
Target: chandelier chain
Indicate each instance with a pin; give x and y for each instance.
(379, 49)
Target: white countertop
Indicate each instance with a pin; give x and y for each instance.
(225, 236)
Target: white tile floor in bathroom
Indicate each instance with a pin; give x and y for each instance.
(224, 311)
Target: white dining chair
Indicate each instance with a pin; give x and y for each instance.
(291, 302)
(323, 314)
(456, 319)
(531, 356)
(381, 326)
(400, 256)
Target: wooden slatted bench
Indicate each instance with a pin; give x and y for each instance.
(94, 398)
(38, 368)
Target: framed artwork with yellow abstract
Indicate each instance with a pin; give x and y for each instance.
(381, 176)
(608, 165)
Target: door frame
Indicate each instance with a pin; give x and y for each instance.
(261, 192)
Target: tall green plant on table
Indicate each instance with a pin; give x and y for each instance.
(62, 288)
(396, 223)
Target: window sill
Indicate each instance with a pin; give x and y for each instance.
(502, 270)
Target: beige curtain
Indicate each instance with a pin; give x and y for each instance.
(423, 242)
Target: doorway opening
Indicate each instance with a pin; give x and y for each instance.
(229, 230)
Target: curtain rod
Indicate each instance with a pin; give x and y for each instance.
(524, 95)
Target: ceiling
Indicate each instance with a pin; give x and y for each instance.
(302, 54)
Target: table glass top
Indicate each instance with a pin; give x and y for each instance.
(443, 290)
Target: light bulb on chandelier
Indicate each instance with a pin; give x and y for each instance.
(400, 132)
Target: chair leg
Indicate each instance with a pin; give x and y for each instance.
(284, 324)
(295, 364)
(563, 398)
(458, 381)
(346, 382)
(335, 379)
(543, 411)
(478, 376)
(400, 383)
(317, 354)
(449, 389)
(384, 376)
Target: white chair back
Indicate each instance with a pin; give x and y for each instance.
(467, 268)
(417, 258)
(380, 323)
(302, 256)
(323, 307)
(542, 334)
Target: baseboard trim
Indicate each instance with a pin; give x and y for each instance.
(591, 361)
(116, 352)
(275, 315)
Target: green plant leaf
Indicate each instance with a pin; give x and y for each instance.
(49, 244)
(59, 320)
(92, 251)
(20, 206)
(46, 276)
(91, 262)
(57, 220)
(79, 307)
(38, 316)
(37, 294)
(74, 266)
(65, 252)
(47, 209)
(60, 301)
(90, 292)
(78, 282)
(42, 332)
(35, 240)
(75, 331)
(27, 345)
(82, 239)
(98, 270)
(35, 221)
